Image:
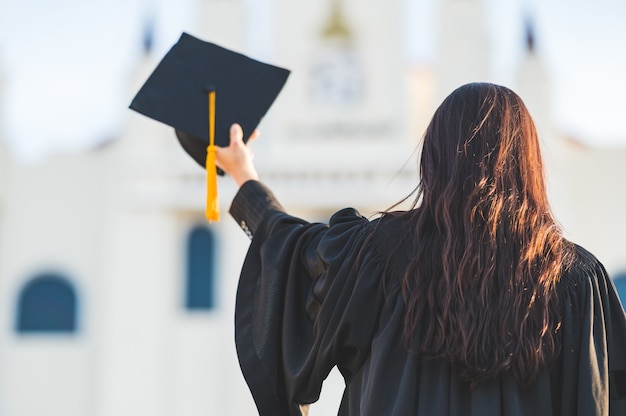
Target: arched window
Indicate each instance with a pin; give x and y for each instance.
(620, 285)
(47, 304)
(201, 258)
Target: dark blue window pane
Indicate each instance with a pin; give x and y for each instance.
(47, 304)
(620, 285)
(200, 291)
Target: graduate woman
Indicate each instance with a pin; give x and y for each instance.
(470, 303)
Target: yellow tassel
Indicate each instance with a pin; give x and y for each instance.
(212, 203)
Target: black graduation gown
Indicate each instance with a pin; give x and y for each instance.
(308, 300)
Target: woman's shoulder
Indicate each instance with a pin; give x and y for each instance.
(583, 271)
(390, 225)
(380, 231)
(391, 244)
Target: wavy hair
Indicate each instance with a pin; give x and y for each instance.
(480, 289)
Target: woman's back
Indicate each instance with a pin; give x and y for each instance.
(310, 299)
(395, 381)
(470, 303)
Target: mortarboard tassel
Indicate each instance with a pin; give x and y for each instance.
(212, 204)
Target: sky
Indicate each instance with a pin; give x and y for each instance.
(67, 64)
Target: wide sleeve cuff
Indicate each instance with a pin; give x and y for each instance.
(252, 204)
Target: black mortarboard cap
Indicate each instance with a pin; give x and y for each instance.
(201, 89)
(176, 93)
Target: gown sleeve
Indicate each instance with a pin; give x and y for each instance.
(306, 301)
(593, 367)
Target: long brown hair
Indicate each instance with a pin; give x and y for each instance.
(480, 290)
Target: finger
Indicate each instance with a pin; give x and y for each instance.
(236, 134)
(219, 153)
(254, 135)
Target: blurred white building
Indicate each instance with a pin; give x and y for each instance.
(117, 296)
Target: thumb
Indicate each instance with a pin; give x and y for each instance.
(236, 134)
